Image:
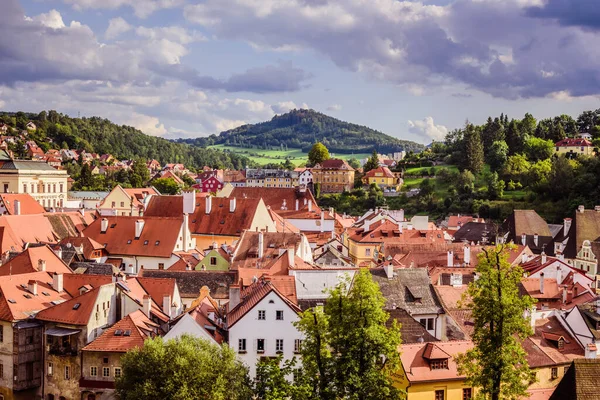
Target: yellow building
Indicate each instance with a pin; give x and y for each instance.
(574, 146)
(129, 202)
(334, 176)
(429, 371)
(46, 184)
(382, 177)
(272, 178)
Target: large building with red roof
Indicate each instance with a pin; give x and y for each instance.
(333, 176)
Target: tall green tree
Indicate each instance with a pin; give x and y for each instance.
(372, 162)
(497, 364)
(187, 368)
(277, 379)
(473, 149)
(139, 173)
(348, 352)
(538, 149)
(497, 155)
(166, 185)
(318, 153)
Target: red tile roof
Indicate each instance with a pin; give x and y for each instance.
(417, 366)
(275, 197)
(17, 303)
(246, 253)
(120, 235)
(69, 313)
(387, 231)
(334, 163)
(165, 206)
(28, 205)
(542, 349)
(251, 296)
(136, 293)
(89, 245)
(136, 324)
(378, 172)
(574, 142)
(157, 288)
(221, 221)
(28, 261)
(73, 282)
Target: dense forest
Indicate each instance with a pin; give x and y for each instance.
(303, 128)
(99, 135)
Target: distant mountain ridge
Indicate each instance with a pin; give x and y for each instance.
(302, 128)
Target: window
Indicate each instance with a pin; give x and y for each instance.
(368, 252)
(297, 344)
(113, 204)
(439, 395)
(241, 345)
(61, 187)
(467, 394)
(24, 188)
(262, 315)
(427, 323)
(105, 372)
(105, 360)
(117, 372)
(6, 188)
(161, 265)
(554, 373)
(260, 345)
(122, 204)
(67, 372)
(279, 345)
(439, 364)
(1, 370)
(279, 315)
(213, 261)
(50, 368)
(93, 371)
(1, 334)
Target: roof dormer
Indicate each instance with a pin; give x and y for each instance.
(437, 358)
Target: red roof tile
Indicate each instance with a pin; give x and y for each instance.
(275, 197)
(28, 261)
(69, 313)
(165, 206)
(221, 221)
(136, 324)
(73, 282)
(378, 172)
(28, 205)
(574, 142)
(417, 367)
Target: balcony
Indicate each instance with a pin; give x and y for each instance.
(64, 351)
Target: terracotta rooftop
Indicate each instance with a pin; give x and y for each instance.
(573, 142)
(246, 253)
(190, 282)
(334, 163)
(275, 197)
(221, 221)
(387, 231)
(158, 238)
(417, 366)
(379, 172)
(89, 245)
(542, 348)
(125, 335)
(71, 313)
(157, 288)
(73, 282)
(165, 206)
(18, 303)
(28, 205)
(29, 261)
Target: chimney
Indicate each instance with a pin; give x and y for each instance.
(167, 305)
(523, 239)
(400, 227)
(103, 225)
(82, 211)
(261, 245)
(542, 283)
(467, 255)
(309, 205)
(297, 204)
(59, 252)
(232, 204)
(401, 215)
(575, 290)
(566, 226)
(208, 205)
(389, 271)
(560, 256)
(147, 305)
(186, 232)
(564, 295)
(234, 296)
(139, 227)
(322, 221)
(558, 275)
(32, 287)
(581, 209)
(544, 258)
(535, 239)
(57, 282)
(291, 255)
(17, 207)
(450, 258)
(367, 225)
(524, 258)
(189, 202)
(590, 350)
(41, 265)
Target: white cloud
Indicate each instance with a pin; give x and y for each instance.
(141, 8)
(427, 128)
(116, 27)
(147, 124)
(284, 106)
(51, 19)
(173, 33)
(334, 107)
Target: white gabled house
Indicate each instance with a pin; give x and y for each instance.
(261, 323)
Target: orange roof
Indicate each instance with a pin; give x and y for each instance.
(157, 288)
(28, 204)
(542, 347)
(280, 224)
(221, 221)
(387, 231)
(246, 252)
(138, 194)
(125, 335)
(275, 197)
(28, 261)
(574, 142)
(334, 163)
(158, 238)
(171, 175)
(165, 206)
(417, 366)
(69, 313)
(89, 245)
(378, 172)
(17, 303)
(136, 293)
(251, 296)
(73, 282)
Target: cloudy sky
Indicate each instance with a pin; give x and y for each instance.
(412, 69)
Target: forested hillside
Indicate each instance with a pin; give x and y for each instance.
(98, 135)
(302, 128)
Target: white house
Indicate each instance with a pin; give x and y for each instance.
(188, 326)
(261, 324)
(305, 177)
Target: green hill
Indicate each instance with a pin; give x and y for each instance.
(300, 129)
(99, 135)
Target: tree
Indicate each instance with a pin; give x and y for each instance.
(495, 186)
(498, 363)
(273, 380)
(497, 155)
(516, 168)
(473, 149)
(318, 153)
(538, 149)
(139, 173)
(348, 351)
(515, 138)
(372, 162)
(354, 163)
(185, 368)
(166, 185)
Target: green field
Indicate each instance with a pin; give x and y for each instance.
(296, 156)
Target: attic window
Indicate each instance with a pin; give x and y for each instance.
(438, 364)
(271, 301)
(157, 243)
(222, 222)
(27, 296)
(129, 241)
(46, 293)
(113, 225)
(145, 243)
(127, 333)
(24, 286)
(76, 306)
(118, 332)
(12, 301)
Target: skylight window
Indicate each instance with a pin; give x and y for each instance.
(46, 293)
(127, 333)
(12, 301)
(118, 332)
(76, 306)
(27, 296)
(129, 241)
(145, 243)
(157, 243)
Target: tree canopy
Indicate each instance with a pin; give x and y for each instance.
(318, 153)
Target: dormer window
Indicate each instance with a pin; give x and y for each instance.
(438, 364)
